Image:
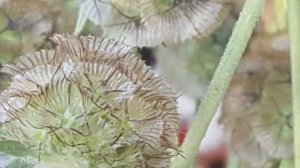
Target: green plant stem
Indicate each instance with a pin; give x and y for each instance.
(287, 163)
(233, 161)
(294, 30)
(223, 75)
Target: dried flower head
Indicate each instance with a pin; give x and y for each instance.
(257, 111)
(152, 22)
(91, 99)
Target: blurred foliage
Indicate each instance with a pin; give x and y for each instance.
(194, 61)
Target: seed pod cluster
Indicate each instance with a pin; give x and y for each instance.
(93, 99)
(257, 110)
(152, 22)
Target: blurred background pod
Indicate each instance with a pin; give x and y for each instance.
(235, 118)
(152, 22)
(259, 96)
(273, 128)
(190, 14)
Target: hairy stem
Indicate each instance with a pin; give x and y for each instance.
(294, 30)
(223, 75)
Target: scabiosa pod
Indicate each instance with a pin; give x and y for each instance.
(152, 22)
(257, 110)
(91, 100)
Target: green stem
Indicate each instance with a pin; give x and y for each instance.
(223, 75)
(233, 161)
(287, 163)
(294, 30)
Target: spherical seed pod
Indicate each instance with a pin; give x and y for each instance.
(245, 145)
(152, 22)
(183, 20)
(92, 99)
(259, 96)
(273, 128)
(243, 92)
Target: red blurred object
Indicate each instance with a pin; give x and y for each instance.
(182, 133)
(213, 159)
(209, 159)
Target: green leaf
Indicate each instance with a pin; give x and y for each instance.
(15, 148)
(20, 163)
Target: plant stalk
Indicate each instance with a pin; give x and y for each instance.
(294, 32)
(219, 84)
(287, 163)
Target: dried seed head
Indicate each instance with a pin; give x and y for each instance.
(90, 98)
(256, 111)
(152, 22)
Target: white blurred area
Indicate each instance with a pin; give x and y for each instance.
(188, 68)
(191, 91)
(213, 138)
(4, 160)
(173, 63)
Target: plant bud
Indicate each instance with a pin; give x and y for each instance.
(91, 100)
